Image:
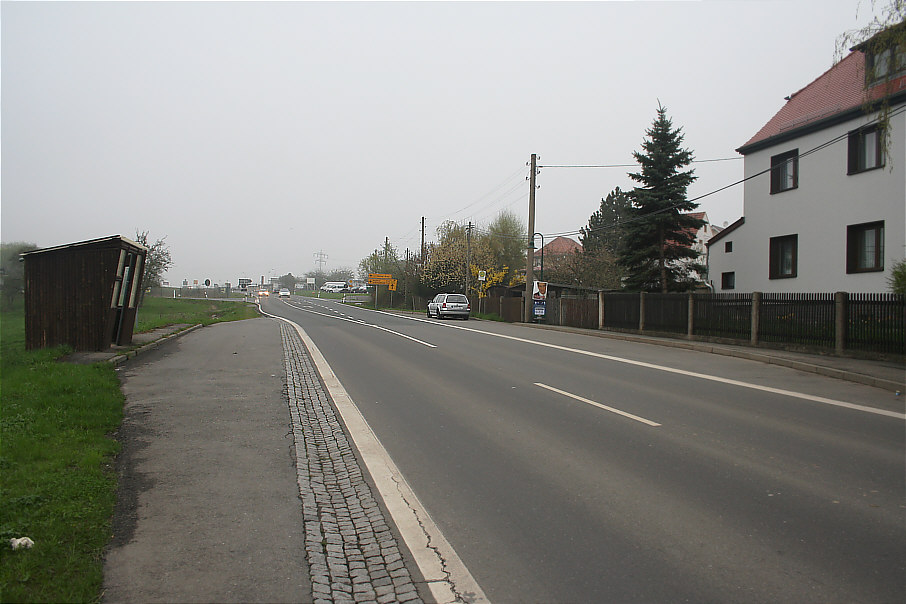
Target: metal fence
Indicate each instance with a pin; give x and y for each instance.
(804, 319)
(722, 316)
(876, 323)
(870, 323)
(622, 311)
(667, 313)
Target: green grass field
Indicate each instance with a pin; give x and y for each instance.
(57, 451)
(160, 312)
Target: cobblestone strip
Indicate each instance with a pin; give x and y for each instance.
(351, 551)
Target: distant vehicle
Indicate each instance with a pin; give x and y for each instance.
(263, 293)
(334, 286)
(449, 305)
(284, 293)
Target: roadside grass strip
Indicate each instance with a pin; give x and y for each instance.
(56, 470)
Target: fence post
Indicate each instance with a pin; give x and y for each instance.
(641, 311)
(600, 310)
(756, 316)
(690, 323)
(841, 310)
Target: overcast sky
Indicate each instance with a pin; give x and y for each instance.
(254, 136)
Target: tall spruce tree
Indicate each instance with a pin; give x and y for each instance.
(657, 252)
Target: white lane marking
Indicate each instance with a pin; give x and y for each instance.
(703, 376)
(444, 571)
(360, 322)
(599, 405)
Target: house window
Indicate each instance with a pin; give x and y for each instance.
(878, 64)
(728, 247)
(728, 280)
(865, 247)
(866, 149)
(784, 256)
(785, 171)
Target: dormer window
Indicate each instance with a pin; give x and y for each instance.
(883, 65)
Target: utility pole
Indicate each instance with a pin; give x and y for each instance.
(421, 259)
(530, 248)
(320, 259)
(468, 256)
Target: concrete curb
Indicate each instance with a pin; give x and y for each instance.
(850, 376)
(122, 358)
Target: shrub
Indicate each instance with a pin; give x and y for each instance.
(897, 279)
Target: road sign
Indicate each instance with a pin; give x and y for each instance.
(392, 285)
(380, 279)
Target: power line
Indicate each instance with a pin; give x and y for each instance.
(824, 145)
(695, 161)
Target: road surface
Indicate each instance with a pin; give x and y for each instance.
(570, 468)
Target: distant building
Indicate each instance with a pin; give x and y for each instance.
(555, 250)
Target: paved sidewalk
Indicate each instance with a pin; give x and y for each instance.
(208, 508)
(237, 481)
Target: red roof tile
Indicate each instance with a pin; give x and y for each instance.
(839, 89)
(559, 245)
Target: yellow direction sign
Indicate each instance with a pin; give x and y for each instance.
(379, 279)
(392, 285)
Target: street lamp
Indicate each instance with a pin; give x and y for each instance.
(541, 277)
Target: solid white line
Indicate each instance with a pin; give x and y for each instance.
(694, 374)
(360, 322)
(445, 573)
(599, 405)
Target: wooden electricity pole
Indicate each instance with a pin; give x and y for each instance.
(530, 248)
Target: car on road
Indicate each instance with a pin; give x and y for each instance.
(449, 305)
(263, 293)
(284, 293)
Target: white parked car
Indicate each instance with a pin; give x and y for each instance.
(449, 305)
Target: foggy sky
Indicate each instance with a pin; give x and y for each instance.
(255, 135)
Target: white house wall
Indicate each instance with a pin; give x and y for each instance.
(826, 201)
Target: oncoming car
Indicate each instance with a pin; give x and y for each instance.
(449, 305)
(284, 293)
(263, 293)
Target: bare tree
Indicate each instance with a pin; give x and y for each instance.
(157, 262)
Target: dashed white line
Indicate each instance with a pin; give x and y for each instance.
(598, 405)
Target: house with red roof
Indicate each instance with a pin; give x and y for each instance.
(825, 200)
(554, 250)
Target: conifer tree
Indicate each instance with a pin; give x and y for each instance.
(657, 252)
(605, 228)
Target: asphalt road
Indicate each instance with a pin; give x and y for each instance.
(569, 468)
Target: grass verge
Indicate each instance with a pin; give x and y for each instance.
(160, 312)
(57, 447)
(57, 481)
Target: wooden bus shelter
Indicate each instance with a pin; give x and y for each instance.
(83, 294)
